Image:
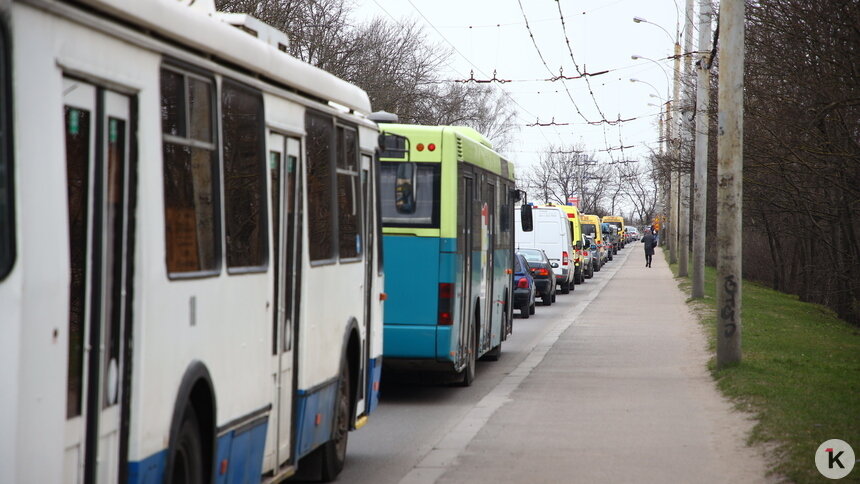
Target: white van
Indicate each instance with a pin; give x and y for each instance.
(551, 234)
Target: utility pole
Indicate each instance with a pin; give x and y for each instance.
(686, 142)
(676, 154)
(700, 182)
(730, 182)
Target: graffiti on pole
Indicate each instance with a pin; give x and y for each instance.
(727, 313)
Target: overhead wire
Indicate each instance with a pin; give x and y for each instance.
(461, 54)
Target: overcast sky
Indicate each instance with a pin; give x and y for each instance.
(491, 35)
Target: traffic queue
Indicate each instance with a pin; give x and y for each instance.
(564, 249)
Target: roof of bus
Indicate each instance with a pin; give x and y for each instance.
(193, 27)
(476, 148)
(589, 219)
(613, 218)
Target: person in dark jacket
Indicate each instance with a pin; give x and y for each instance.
(649, 243)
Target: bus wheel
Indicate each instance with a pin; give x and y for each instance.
(469, 371)
(334, 453)
(188, 455)
(496, 352)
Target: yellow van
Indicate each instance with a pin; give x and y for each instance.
(576, 239)
(591, 227)
(619, 223)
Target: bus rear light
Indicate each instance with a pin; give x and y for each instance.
(419, 147)
(431, 147)
(585, 253)
(446, 299)
(565, 258)
(523, 283)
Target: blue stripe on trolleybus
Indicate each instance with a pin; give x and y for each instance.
(311, 433)
(242, 448)
(374, 366)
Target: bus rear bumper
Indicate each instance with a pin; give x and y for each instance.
(419, 343)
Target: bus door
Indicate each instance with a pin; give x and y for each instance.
(368, 238)
(489, 305)
(464, 239)
(284, 165)
(99, 174)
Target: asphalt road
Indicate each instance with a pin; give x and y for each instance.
(416, 413)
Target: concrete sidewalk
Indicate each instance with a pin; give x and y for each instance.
(623, 395)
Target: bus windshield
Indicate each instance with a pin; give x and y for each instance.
(409, 193)
(588, 229)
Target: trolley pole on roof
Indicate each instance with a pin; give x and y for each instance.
(730, 182)
(700, 181)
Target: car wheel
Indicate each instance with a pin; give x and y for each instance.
(546, 299)
(565, 287)
(532, 308)
(524, 312)
(553, 294)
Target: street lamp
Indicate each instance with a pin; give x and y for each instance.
(637, 57)
(633, 79)
(640, 20)
(673, 132)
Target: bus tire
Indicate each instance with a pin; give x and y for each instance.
(334, 451)
(496, 352)
(469, 370)
(188, 454)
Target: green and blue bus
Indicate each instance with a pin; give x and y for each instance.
(447, 215)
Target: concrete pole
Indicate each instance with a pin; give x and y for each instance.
(675, 140)
(730, 182)
(686, 146)
(700, 182)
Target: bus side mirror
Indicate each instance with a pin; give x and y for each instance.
(526, 218)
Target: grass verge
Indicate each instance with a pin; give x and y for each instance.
(800, 375)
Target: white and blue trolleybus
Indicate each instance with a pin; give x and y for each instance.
(190, 273)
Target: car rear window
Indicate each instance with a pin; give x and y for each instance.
(532, 256)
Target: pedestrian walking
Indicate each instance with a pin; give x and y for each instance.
(649, 243)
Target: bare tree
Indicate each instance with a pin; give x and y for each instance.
(394, 62)
(565, 171)
(641, 186)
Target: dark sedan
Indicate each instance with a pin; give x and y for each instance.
(541, 269)
(524, 287)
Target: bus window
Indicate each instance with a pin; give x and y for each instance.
(244, 176)
(348, 197)
(320, 134)
(7, 232)
(190, 173)
(409, 194)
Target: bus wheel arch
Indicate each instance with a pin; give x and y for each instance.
(353, 361)
(195, 405)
